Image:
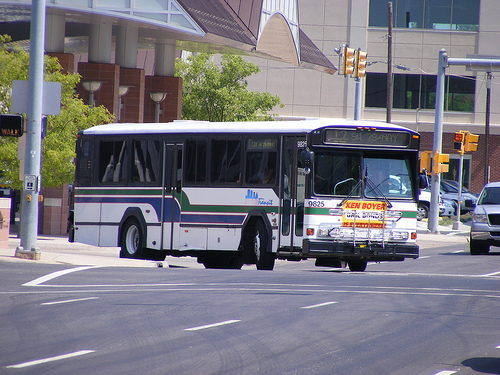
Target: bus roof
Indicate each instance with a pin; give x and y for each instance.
(193, 127)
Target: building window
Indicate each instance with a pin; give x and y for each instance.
(462, 15)
(412, 91)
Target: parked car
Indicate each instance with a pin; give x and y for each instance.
(485, 228)
(446, 207)
(449, 190)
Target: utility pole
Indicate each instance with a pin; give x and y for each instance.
(389, 66)
(32, 160)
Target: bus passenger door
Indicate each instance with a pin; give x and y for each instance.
(172, 195)
(292, 194)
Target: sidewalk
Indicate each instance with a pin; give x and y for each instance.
(422, 228)
(58, 250)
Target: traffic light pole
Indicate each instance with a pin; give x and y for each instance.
(458, 224)
(32, 160)
(443, 62)
(357, 100)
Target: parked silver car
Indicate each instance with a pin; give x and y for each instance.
(485, 228)
(447, 207)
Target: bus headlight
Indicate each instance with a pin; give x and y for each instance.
(396, 235)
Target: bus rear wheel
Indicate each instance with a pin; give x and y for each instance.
(131, 240)
(357, 265)
(264, 259)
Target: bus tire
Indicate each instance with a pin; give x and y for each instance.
(264, 259)
(225, 261)
(357, 265)
(131, 239)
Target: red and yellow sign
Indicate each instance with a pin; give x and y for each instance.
(363, 214)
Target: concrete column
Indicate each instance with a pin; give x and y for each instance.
(165, 58)
(126, 46)
(100, 41)
(55, 31)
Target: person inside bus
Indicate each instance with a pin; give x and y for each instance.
(269, 176)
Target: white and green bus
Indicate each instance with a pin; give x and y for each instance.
(342, 192)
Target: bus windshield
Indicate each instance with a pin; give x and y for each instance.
(387, 177)
(339, 174)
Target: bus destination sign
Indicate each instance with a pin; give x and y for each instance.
(367, 137)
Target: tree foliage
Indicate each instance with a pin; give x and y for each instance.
(211, 93)
(58, 146)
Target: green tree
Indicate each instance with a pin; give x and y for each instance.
(211, 93)
(58, 146)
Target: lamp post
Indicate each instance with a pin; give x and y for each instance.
(157, 97)
(122, 91)
(91, 87)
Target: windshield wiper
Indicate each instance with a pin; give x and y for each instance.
(374, 188)
(351, 193)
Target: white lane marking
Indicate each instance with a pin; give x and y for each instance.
(54, 275)
(424, 257)
(458, 251)
(51, 359)
(446, 372)
(212, 325)
(498, 347)
(68, 301)
(491, 274)
(318, 305)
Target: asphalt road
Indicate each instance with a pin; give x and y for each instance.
(434, 315)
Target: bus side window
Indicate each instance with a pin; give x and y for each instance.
(226, 161)
(146, 167)
(113, 161)
(261, 167)
(196, 161)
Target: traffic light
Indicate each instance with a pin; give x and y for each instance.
(360, 67)
(438, 161)
(471, 142)
(348, 61)
(458, 142)
(425, 161)
(11, 125)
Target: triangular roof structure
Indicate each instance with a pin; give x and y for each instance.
(262, 28)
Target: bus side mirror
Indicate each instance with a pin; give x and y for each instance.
(423, 180)
(306, 158)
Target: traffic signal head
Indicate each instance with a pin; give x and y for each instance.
(438, 161)
(360, 68)
(348, 61)
(458, 142)
(425, 162)
(471, 142)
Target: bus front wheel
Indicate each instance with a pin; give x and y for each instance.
(357, 265)
(131, 240)
(264, 259)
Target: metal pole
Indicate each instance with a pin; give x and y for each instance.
(389, 66)
(357, 100)
(457, 224)
(157, 112)
(32, 159)
(438, 140)
(487, 129)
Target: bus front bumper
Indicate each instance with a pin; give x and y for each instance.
(367, 251)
